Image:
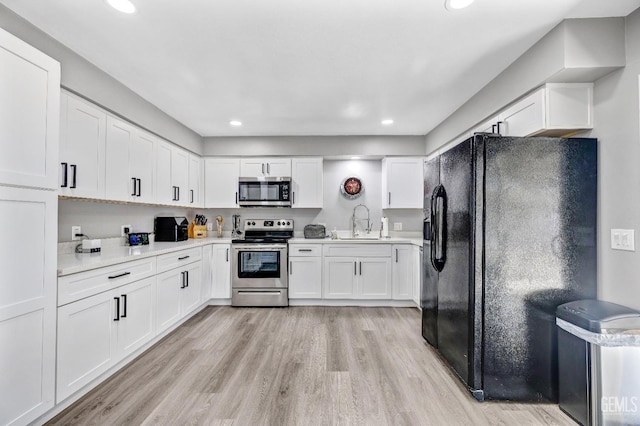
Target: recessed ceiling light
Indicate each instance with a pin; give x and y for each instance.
(387, 122)
(235, 123)
(456, 4)
(124, 6)
(355, 158)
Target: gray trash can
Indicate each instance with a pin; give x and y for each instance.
(599, 362)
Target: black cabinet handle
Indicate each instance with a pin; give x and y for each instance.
(268, 168)
(183, 280)
(120, 275)
(75, 175)
(396, 255)
(227, 255)
(178, 198)
(389, 198)
(498, 126)
(139, 187)
(124, 306)
(290, 268)
(262, 168)
(184, 257)
(117, 318)
(187, 275)
(191, 190)
(305, 250)
(236, 198)
(360, 268)
(293, 198)
(493, 128)
(134, 187)
(355, 268)
(64, 175)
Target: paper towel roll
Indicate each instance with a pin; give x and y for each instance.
(384, 227)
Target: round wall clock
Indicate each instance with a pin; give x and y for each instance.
(352, 187)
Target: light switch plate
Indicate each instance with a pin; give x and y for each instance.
(397, 226)
(623, 239)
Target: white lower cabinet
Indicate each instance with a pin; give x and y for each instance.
(95, 333)
(367, 275)
(305, 278)
(403, 271)
(221, 284)
(177, 294)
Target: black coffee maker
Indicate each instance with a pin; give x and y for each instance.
(171, 228)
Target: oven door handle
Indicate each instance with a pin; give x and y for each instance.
(260, 293)
(260, 247)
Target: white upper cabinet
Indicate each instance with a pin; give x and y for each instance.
(172, 175)
(265, 167)
(195, 181)
(82, 148)
(402, 183)
(29, 107)
(555, 109)
(129, 162)
(307, 179)
(221, 182)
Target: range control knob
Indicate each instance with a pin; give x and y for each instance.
(253, 223)
(288, 223)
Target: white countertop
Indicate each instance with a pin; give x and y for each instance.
(77, 262)
(391, 240)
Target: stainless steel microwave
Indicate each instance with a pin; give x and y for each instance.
(264, 192)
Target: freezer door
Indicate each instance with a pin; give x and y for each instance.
(429, 297)
(455, 279)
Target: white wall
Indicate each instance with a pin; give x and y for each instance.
(326, 146)
(617, 117)
(103, 220)
(82, 77)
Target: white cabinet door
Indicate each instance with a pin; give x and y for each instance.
(525, 117)
(265, 166)
(305, 278)
(339, 277)
(137, 315)
(307, 180)
(28, 261)
(86, 342)
(168, 299)
(195, 178)
(165, 192)
(403, 271)
(180, 175)
(374, 275)
(221, 182)
(402, 183)
(119, 185)
(207, 272)
(29, 107)
(221, 285)
(82, 148)
(190, 295)
(142, 166)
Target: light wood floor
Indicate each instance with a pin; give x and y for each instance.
(295, 366)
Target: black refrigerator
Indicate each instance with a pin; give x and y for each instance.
(509, 234)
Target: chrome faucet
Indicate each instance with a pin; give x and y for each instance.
(354, 220)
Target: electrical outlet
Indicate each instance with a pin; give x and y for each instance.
(124, 230)
(76, 230)
(397, 226)
(623, 239)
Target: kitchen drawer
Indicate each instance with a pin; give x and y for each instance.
(305, 250)
(358, 250)
(169, 261)
(84, 284)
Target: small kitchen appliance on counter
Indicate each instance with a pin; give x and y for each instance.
(314, 231)
(171, 228)
(259, 264)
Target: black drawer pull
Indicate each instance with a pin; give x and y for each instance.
(184, 257)
(305, 250)
(120, 275)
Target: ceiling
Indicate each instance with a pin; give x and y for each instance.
(312, 67)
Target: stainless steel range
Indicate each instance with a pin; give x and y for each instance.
(260, 275)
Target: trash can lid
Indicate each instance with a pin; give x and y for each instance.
(598, 315)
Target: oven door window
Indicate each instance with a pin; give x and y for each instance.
(259, 264)
(259, 191)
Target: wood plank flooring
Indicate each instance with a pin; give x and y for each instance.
(295, 366)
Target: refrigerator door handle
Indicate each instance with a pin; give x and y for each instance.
(439, 228)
